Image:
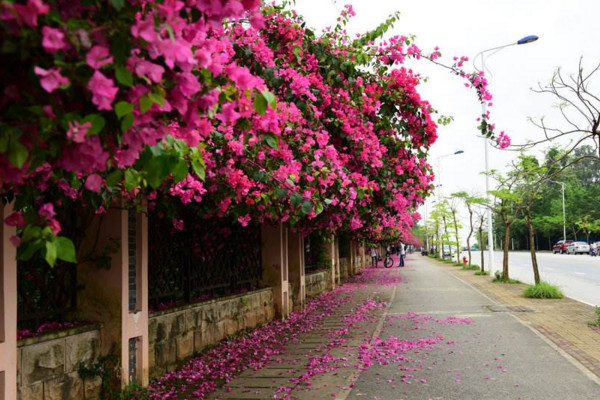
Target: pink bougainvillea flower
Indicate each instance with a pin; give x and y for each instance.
(244, 220)
(54, 226)
(144, 68)
(53, 39)
(15, 219)
(98, 57)
(50, 79)
(46, 211)
(77, 131)
(228, 115)
(88, 156)
(503, 140)
(93, 183)
(27, 13)
(15, 240)
(103, 91)
(178, 224)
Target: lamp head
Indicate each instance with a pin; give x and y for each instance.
(527, 39)
(459, 152)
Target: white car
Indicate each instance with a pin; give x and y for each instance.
(578, 247)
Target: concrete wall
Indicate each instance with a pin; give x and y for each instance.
(175, 335)
(48, 365)
(317, 283)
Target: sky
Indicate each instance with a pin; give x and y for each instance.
(567, 30)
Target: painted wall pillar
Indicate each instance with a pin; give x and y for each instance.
(362, 254)
(8, 310)
(296, 269)
(353, 258)
(275, 266)
(338, 272)
(116, 294)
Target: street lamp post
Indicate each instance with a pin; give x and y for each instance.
(563, 185)
(438, 161)
(483, 54)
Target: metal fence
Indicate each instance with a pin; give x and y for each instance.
(211, 258)
(44, 293)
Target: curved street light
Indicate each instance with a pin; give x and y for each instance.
(483, 54)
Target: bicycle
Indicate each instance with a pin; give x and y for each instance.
(388, 262)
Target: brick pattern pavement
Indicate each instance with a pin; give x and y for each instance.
(284, 369)
(565, 322)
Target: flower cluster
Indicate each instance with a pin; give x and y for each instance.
(187, 104)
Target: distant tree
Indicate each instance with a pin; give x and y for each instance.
(480, 218)
(470, 202)
(579, 106)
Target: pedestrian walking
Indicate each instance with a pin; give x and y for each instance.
(374, 257)
(402, 253)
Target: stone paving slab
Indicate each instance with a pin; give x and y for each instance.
(293, 362)
(565, 322)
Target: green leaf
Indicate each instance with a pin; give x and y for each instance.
(123, 76)
(296, 199)
(27, 249)
(123, 108)
(145, 104)
(260, 104)
(31, 232)
(114, 177)
(65, 249)
(180, 171)
(157, 98)
(281, 193)
(271, 140)
(97, 121)
(17, 153)
(126, 122)
(318, 208)
(117, 4)
(198, 168)
(158, 168)
(132, 179)
(50, 253)
(270, 98)
(306, 207)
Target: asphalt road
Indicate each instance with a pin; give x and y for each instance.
(483, 355)
(578, 276)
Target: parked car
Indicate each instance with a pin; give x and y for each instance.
(561, 246)
(449, 251)
(578, 248)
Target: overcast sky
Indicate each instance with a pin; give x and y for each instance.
(568, 30)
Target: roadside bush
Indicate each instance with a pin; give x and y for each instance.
(597, 311)
(482, 273)
(470, 267)
(543, 290)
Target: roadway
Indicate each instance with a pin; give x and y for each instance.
(578, 276)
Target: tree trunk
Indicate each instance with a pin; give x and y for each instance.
(481, 247)
(534, 264)
(470, 232)
(505, 255)
(445, 235)
(456, 236)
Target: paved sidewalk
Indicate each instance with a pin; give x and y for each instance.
(562, 321)
(437, 333)
(320, 364)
